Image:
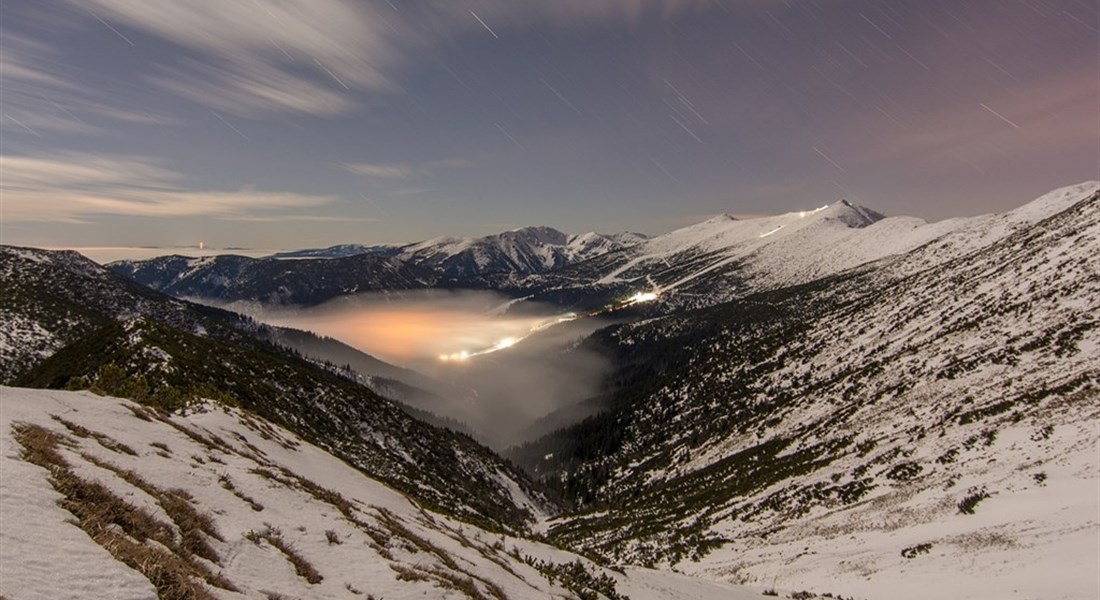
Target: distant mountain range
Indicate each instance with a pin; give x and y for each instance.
(318, 275)
(700, 265)
(524, 250)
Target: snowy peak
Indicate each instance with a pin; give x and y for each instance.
(727, 239)
(538, 234)
(850, 214)
(730, 229)
(588, 245)
(841, 212)
(521, 251)
(338, 251)
(722, 218)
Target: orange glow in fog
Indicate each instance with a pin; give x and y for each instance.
(404, 335)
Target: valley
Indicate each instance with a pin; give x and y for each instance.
(498, 372)
(836, 414)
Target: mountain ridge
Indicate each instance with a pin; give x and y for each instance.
(905, 391)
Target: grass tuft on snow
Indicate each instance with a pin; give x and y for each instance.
(274, 536)
(130, 534)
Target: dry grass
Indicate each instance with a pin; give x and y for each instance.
(258, 455)
(227, 483)
(104, 440)
(141, 412)
(453, 578)
(211, 442)
(123, 530)
(493, 553)
(273, 536)
(267, 431)
(408, 573)
(467, 585)
(194, 526)
(331, 497)
(398, 529)
(449, 581)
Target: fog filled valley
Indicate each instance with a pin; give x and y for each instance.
(504, 370)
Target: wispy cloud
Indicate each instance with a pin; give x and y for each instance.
(261, 57)
(295, 218)
(32, 90)
(257, 58)
(25, 60)
(381, 171)
(405, 171)
(42, 96)
(74, 188)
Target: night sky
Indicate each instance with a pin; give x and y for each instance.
(280, 124)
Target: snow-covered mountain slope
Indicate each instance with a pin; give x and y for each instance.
(104, 498)
(584, 246)
(772, 437)
(338, 251)
(520, 251)
(51, 298)
(725, 258)
(307, 281)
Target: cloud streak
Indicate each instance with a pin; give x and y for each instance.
(42, 95)
(381, 171)
(394, 171)
(74, 187)
(258, 58)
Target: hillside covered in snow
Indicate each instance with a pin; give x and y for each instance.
(930, 416)
(105, 498)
